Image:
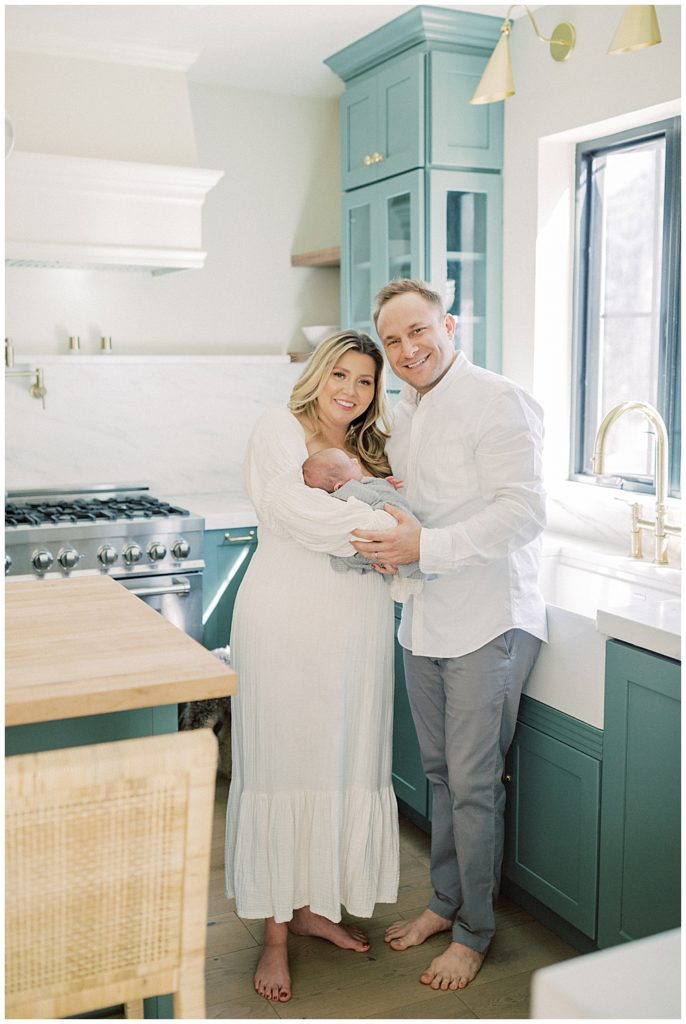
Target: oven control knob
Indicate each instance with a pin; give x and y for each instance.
(181, 548)
(132, 554)
(42, 560)
(68, 558)
(107, 555)
(8, 563)
(156, 551)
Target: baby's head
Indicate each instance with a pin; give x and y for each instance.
(330, 469)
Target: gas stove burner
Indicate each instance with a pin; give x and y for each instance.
(89, 510)
(120, 530)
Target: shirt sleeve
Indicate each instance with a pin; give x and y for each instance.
(273, 479)
(508, 459)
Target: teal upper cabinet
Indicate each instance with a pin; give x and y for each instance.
(406, 102)
(421, 171)
(382, 123)
(462, 135)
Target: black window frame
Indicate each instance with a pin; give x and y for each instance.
(669, 373)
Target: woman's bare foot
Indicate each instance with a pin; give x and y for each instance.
(412, 933)
(453, 969)
(272, 978)
(346, 936)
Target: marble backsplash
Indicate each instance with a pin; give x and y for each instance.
(179, 423)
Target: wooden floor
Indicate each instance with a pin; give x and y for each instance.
(383, 983)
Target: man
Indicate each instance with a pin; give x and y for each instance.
(467, 442)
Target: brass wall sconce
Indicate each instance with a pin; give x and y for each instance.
(497, 82)
(637, 30)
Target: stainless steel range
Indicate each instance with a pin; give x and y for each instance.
(153, 548)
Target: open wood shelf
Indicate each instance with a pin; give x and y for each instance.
(318, 258)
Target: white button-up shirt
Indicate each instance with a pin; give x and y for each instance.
(470, 454)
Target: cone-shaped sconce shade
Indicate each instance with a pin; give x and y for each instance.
(496, 82)
(637, 30)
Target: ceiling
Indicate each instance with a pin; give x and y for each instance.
(266, 47)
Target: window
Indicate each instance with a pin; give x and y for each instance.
(627, 299)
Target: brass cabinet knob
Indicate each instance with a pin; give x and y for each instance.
(507, 779)
(367, 159)
(378, 157)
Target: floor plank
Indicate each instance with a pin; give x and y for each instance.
(330, 983)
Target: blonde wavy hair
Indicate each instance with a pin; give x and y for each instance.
(367, 435)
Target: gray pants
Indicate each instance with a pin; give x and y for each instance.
(465, 712)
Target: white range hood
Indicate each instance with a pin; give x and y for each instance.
(67, 211)
(102, 175)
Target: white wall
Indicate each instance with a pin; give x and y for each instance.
(280, 194)
(552, 98)
(555, 107)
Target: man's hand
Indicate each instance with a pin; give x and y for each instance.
(390, 547)
(394, 482)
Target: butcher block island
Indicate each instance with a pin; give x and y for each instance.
(87, 661)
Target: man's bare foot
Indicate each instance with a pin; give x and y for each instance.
(453, 969)
(346, 936)
(412, 933)
(272, 979)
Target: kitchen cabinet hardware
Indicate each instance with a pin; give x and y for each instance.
(373, 158)
(244, 539)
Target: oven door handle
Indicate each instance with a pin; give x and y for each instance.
(183, 587)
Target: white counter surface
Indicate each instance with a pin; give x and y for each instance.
(638, 980)
(223, 510)
(655, 627)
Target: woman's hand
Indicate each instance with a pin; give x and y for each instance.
(390, 547)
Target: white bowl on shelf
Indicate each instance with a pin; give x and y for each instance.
(318, 333)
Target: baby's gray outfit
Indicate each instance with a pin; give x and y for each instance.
(376, 492)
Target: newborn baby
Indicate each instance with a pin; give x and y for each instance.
(340, 475)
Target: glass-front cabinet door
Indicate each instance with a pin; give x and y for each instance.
(382, 239)
(465, 216)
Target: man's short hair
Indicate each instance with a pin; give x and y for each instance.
(403, 285)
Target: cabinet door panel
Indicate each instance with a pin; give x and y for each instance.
(462, 135)
(358, 131)
(382, 123)
(465, 211)
(227, 555)
(640, 864)
(382, 238)
(401, 117)
(357, 233)
(552, 825)
(409, 780)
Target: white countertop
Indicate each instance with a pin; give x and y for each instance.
(655, 627)
(224, 510)
(638, 980)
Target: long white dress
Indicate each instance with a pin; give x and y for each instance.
(312, 817)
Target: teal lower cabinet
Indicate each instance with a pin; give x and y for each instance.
(227, 555)
(640, 828)
(553, 811)
(409, 781)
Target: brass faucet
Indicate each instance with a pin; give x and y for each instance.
(659, 524)
(38, 388)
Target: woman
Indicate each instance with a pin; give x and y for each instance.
(312, 820)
